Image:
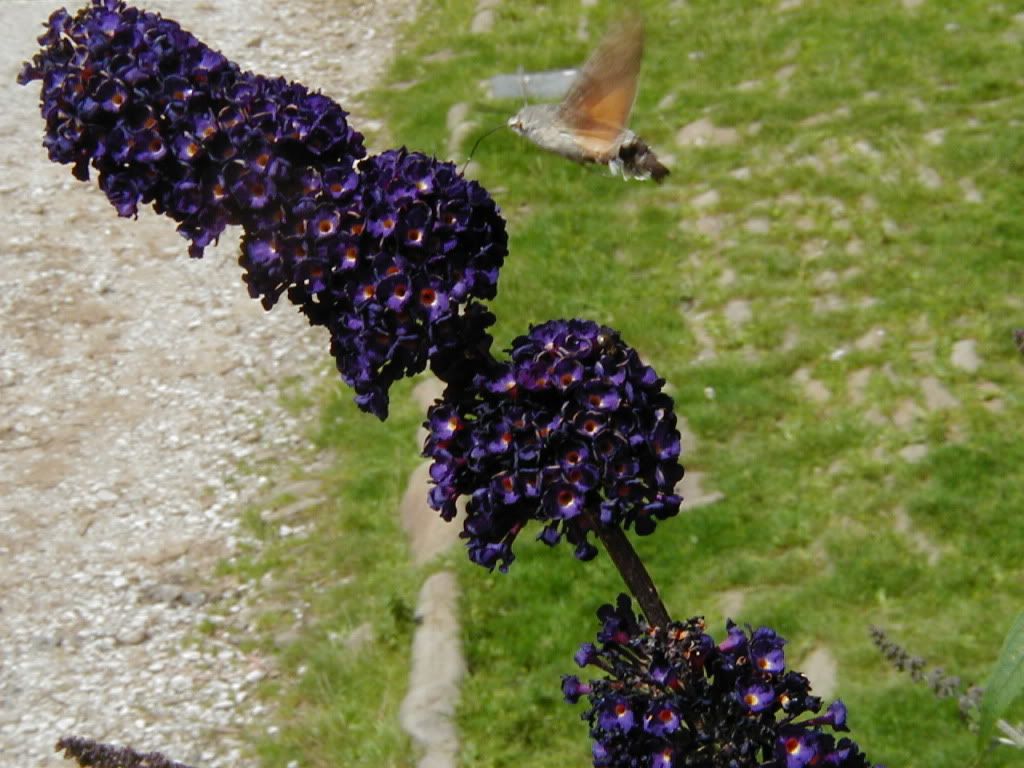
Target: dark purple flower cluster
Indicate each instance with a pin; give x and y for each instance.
(391, 266)
(387, 253)
(574, 432)
(166, 120)
(673, 697)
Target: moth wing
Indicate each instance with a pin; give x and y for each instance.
(599, 141)
(599, 102)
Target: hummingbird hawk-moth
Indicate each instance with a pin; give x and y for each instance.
(590, 125)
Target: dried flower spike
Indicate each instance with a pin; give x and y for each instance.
(941, 684)
(91, 754)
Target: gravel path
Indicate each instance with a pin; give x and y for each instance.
(133, 381)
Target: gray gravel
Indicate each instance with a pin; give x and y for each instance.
(133, 381)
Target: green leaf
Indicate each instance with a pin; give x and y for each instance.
(1005, 684)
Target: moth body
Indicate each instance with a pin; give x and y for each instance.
(540, 124)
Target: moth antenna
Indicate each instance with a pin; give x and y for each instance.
(477, 144)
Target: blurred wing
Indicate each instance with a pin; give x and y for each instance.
(599, 101)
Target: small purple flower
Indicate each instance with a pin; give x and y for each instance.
(586, 654)
(757, 696)
(797, 747)
(433, 300)
(661, 758)
(664, 674)
(618, 622)
(507, 487)
(382, 221)
(735, 643)
(550, 535)
(572, 688)
(325, 222)
(766, 650)
(112, 96)
(616, 713)
(600, 397)
(312, 276)
(396, 291)
(835, 716)
(662, 718)
(564, 501)
(567, 372)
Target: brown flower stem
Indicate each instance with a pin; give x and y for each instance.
(631, 567)
(458, 370)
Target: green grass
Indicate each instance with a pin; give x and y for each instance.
(806, 531)
(345, 578)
